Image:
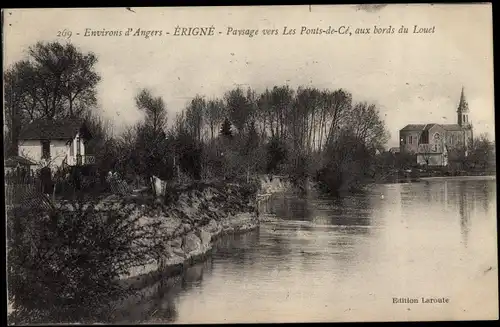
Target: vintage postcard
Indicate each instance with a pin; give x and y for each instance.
(250, 164)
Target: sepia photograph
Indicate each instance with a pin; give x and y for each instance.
(250, 164)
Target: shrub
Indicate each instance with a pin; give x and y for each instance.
(64, 264)
(277, 154)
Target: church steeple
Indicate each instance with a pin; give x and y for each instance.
(463, 110)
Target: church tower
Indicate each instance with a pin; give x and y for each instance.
(463, 111)
(463, 120)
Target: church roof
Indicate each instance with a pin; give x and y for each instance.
(429, 126)
(419, 127)
(414, 127)
(426, 127)
(452, 127)
(463, 106)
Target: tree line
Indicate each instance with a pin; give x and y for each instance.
(300, 132)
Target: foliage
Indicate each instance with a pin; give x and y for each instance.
(64, 263)
(276, 154)
(347, 165)
(215, 113)
(481, 153)
(476, 156)
(226, 129)
(140, 151)
(54, 81)
(189, 152)
(239, 107)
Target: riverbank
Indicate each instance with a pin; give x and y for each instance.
(201, 215)
(417, 175)
(175, 233)
(465, 177)
(210, 221)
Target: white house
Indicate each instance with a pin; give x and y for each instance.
(53, 143)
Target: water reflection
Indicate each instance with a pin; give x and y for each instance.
(346, 211)
(464, 211)
(322, 257)
(453, 196)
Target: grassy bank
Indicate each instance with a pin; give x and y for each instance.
(70, 264)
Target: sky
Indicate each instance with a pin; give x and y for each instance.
(412, 78)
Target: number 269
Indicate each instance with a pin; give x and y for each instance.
(64, 33)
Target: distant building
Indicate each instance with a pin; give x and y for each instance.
(432, 142)
(53, 143)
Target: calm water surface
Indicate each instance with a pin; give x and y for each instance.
(319, 259)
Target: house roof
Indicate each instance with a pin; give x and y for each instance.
(60, 129)
(14, 161)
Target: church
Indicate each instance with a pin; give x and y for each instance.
(432, 142)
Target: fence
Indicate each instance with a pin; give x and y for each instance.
(25, 188)
(118, 185)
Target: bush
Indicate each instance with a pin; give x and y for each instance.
(249, 190)
(346, 164)
(64, 264)
(277, 154)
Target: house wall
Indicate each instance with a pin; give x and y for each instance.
(450, 138)
(32, 149)
(437, 129)
(436, 144)
(58, 151)
(455, 138)
(404, 141)
(432, 153)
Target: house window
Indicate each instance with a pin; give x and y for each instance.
(424, 138)
(410, 139)
(45, 149)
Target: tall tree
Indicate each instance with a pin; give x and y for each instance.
(366, 124)
(215, 115)
(338, 106)
(281, 103)
(226, 129)
(238, 108)
(64, 77)
(154, 109)
(194, 117)
(54, 81)
(151, 135)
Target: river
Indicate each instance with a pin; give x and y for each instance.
(323, 259)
